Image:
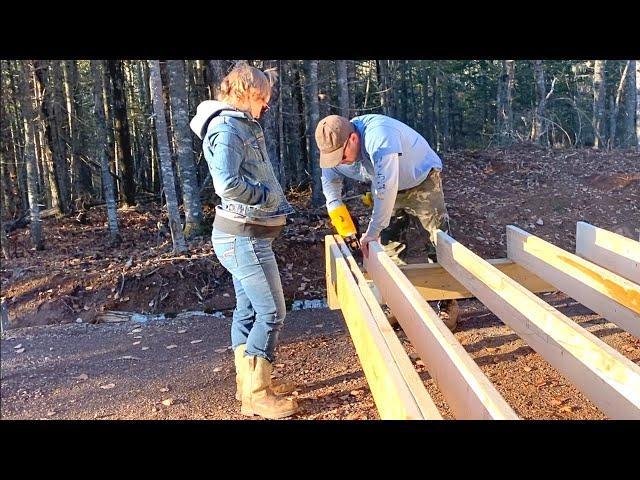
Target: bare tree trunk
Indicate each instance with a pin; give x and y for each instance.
(270, 122)
(215, 72)
(539, 131)
(26, 94)
(613, 124)
(132, 111)
(326, 70)
(55, 83)
(384, 82)
(313, 117)
(18, 135)
(427, 121)
(6, 195)
(5, 198)
(20, 169)
(282, 175)
(404, 93)
(201, 90)
(146, 139)
(108, 120)
(352, 87)
(446, 115)
(190, 188)
(343, 87)
(630, 106)
(291, 119)
(298, 115)
(504, 121)
(177, 236)
(52, 157)
(8, 150)
(411, 101)
(103, 141)
(599, 91)
(81, 183)
(123, 140)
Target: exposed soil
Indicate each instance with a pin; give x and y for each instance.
(545, 192)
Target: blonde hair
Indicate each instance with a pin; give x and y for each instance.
(242, 78)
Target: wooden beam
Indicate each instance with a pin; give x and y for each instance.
(467, 390)
(330, 274)
(435, 283)
(408, 372)
(604, 292)
(614, 252)
(394, 399)
(608, 379)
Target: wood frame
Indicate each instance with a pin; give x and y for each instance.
(604, 292)
(608, 378)
(467, 390)
(435, 283)
(609, 250)
(391, 377)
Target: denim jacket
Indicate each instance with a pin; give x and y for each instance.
(236, 154)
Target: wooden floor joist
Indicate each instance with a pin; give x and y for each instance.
(408, 372)
(435, 283)
(614, 252)
(606, 293)
(386, 374)
(467, 390)
(608, 379)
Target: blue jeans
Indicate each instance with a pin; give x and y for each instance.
(260, 307)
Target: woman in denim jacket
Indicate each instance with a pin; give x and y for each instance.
(251, 215)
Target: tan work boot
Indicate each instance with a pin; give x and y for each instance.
(449, 313)
(257, 397)
(277, 387)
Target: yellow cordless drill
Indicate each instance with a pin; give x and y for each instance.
(342, 221)
(344, 224)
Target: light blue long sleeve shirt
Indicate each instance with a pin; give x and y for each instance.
(393, 157)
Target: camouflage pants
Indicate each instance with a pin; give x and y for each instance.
(424, 204)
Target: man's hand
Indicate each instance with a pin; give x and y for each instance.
(364, 244)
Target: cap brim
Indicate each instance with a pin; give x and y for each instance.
(330, 160)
